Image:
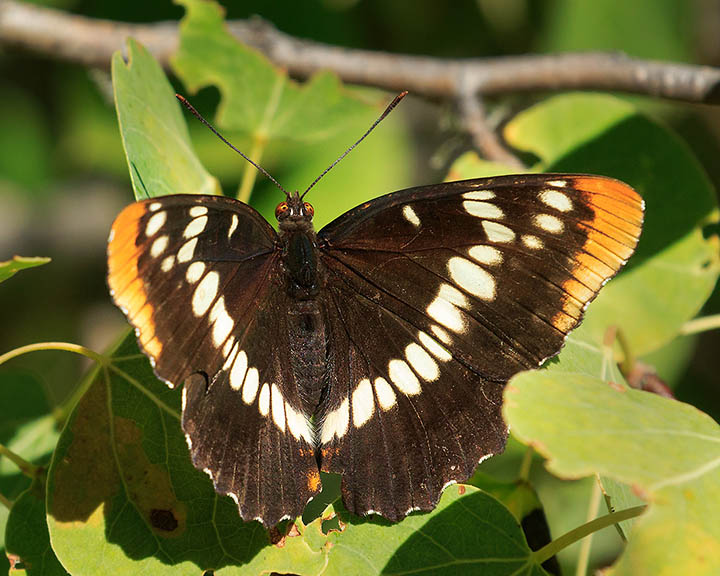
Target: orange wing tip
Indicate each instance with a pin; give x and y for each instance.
(153, 347)
(608, 187)
(125, 284)
(612, 235)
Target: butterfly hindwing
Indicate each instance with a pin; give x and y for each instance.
(442, 293)
(199, 278)
(403, 418)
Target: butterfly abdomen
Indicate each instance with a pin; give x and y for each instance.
(307, 343)
(306, 324)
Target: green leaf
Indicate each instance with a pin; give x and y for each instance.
(257, 98)
(378, 166)
(675, 266)
(643, 28)
(295, 131)
(124, 498)
(157, 145)
(468, 532)
(11, 267)
(669, 452)
(521, 500)
(27, 534)
(26, 429)
(470, 165)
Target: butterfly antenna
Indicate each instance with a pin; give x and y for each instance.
(197, 115)
(389, 109)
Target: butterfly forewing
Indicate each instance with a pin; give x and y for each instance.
(440, 294)
(199, 278)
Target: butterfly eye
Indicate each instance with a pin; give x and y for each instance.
(309, 209)
(281, 208)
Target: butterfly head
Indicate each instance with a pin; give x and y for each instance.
(294, 213)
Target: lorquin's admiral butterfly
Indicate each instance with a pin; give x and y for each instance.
(376, 348)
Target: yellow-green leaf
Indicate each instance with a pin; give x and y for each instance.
(669, 452)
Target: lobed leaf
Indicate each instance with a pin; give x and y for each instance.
(295, 131)
(257, 98)
(669, 452)
(123, 496)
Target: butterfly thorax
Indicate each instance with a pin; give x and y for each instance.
(299, 247)
(300, 256)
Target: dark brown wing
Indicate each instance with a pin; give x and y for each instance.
(438, 295)
(198, 277)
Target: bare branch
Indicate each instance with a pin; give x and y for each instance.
(91, 42)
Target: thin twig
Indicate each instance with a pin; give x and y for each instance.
(91, 42)
(474, 119)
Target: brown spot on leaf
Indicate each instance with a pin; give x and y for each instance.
(148, 485)
(293, 531)
(86, 479)
(461, 489)
(163, 520)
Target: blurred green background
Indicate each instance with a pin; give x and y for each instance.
(63, 173)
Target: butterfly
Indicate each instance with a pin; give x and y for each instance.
(376, 348)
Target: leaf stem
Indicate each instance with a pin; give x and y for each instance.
(250, 173)
(5, 501)
(526, 464)
(65, 346)
(593, 508)
(260, 139)
(61, 412)
(702, 324)
(28, 469)
(549, 550)
(628, 358)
